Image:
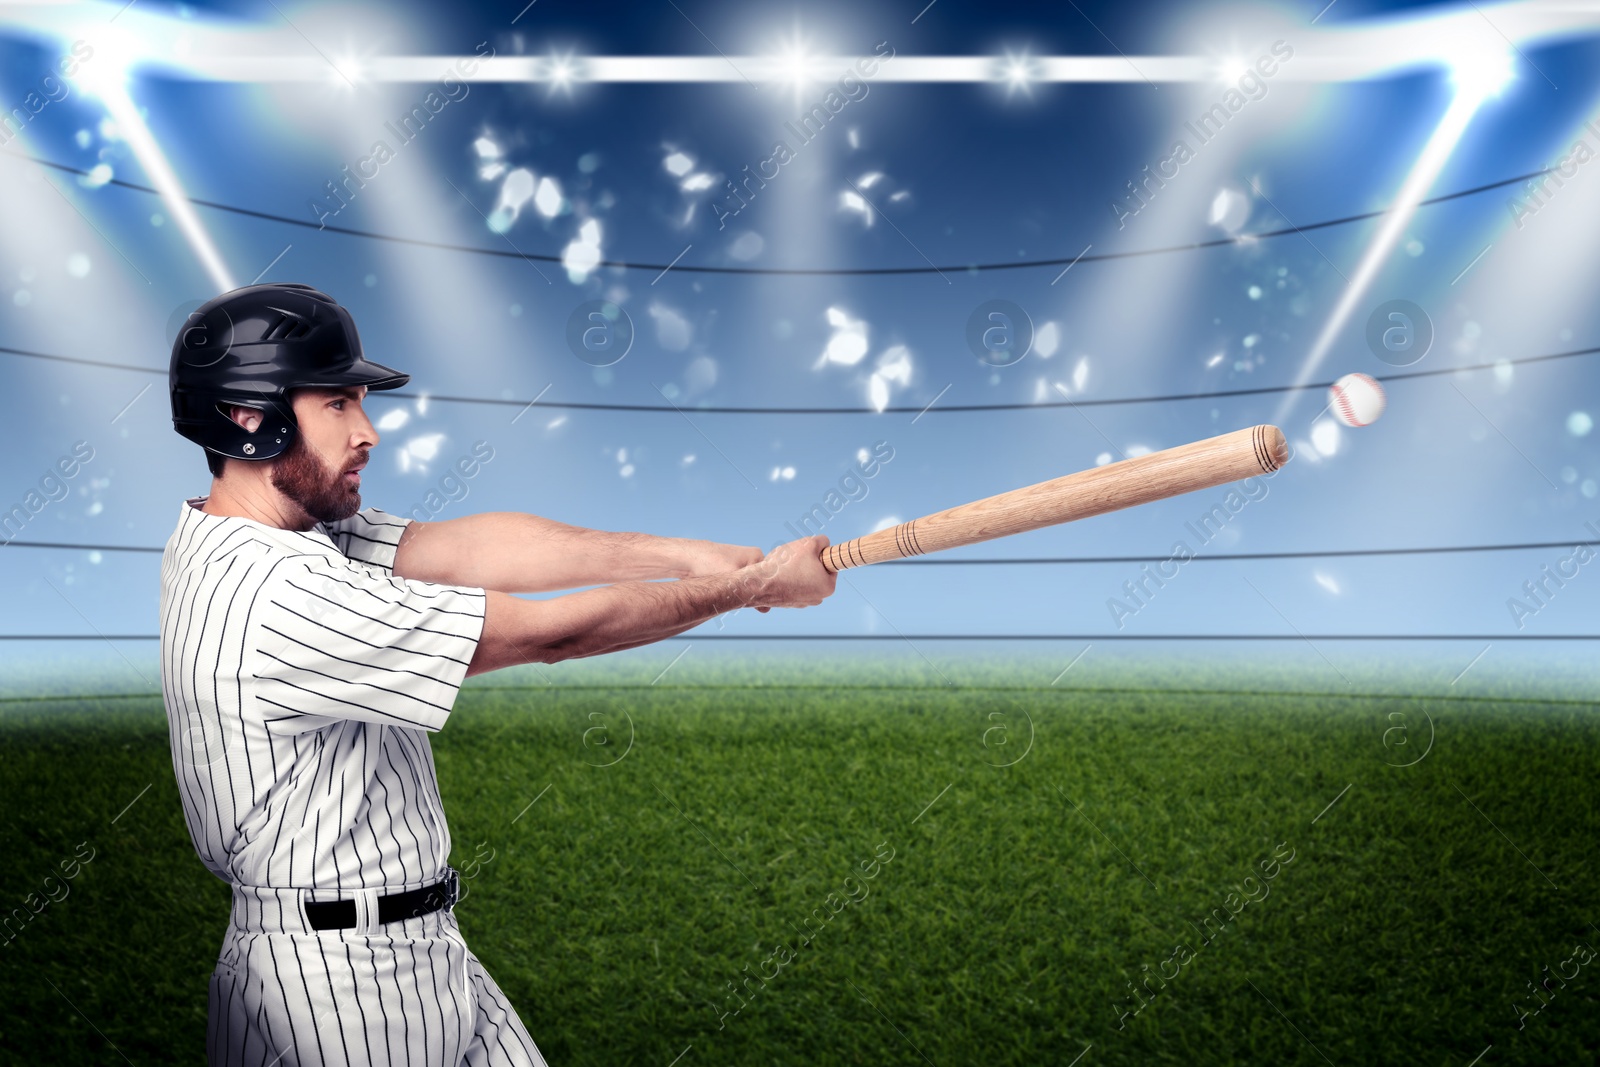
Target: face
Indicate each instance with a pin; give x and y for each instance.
(320, 471)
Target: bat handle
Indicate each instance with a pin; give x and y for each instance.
(857, 553)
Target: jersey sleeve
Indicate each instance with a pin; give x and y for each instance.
(333, 640)
(368, 536)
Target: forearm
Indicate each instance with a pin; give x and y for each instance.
(597, 621)
(517, 553)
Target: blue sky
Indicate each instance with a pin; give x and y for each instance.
(902, 175)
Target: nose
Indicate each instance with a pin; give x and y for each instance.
(365, 435)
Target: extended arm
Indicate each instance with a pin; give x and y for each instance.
(516, 553)
(630, 614)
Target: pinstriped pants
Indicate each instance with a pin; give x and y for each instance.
(411, 992)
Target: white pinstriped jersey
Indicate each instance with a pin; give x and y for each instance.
(301, 679)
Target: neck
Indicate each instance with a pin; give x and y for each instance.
(253, 496)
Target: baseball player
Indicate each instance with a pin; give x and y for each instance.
(308, 649)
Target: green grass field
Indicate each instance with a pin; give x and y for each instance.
(1019, 903)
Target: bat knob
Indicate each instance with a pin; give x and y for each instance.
(1272, 449)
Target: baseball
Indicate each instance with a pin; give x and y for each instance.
(1357, 399)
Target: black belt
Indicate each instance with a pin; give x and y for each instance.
(397, 907)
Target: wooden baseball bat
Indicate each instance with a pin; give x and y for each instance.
(1171, 472)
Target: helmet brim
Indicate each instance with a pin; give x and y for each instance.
(362, 372)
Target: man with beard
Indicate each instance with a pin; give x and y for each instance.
(308, 648)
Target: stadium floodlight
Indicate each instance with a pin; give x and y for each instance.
(1233, 69)
(106, 70)
(1483, 73)
(1018, 73)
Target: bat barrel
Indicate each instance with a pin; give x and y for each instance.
(1187, 468)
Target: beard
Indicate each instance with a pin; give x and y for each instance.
(320, 492)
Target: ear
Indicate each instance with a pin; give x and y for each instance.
(248, 418)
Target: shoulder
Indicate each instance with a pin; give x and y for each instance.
(371, 535)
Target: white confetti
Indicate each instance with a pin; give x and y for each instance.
(1325, 437)
(582, 255)
(673, 332)
(547, 201)
(878, 392)
(895, 364)
(1046, 339)
(746, 246)
(678, 164)
(419, 451)
(850, 200)
(516, 189)
(848, 344)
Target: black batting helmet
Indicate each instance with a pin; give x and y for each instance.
(249, 347)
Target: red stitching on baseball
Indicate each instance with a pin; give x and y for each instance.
(1343, 401)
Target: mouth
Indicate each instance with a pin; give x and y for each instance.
(353, 475)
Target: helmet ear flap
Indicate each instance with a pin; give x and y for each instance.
(211, 415)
